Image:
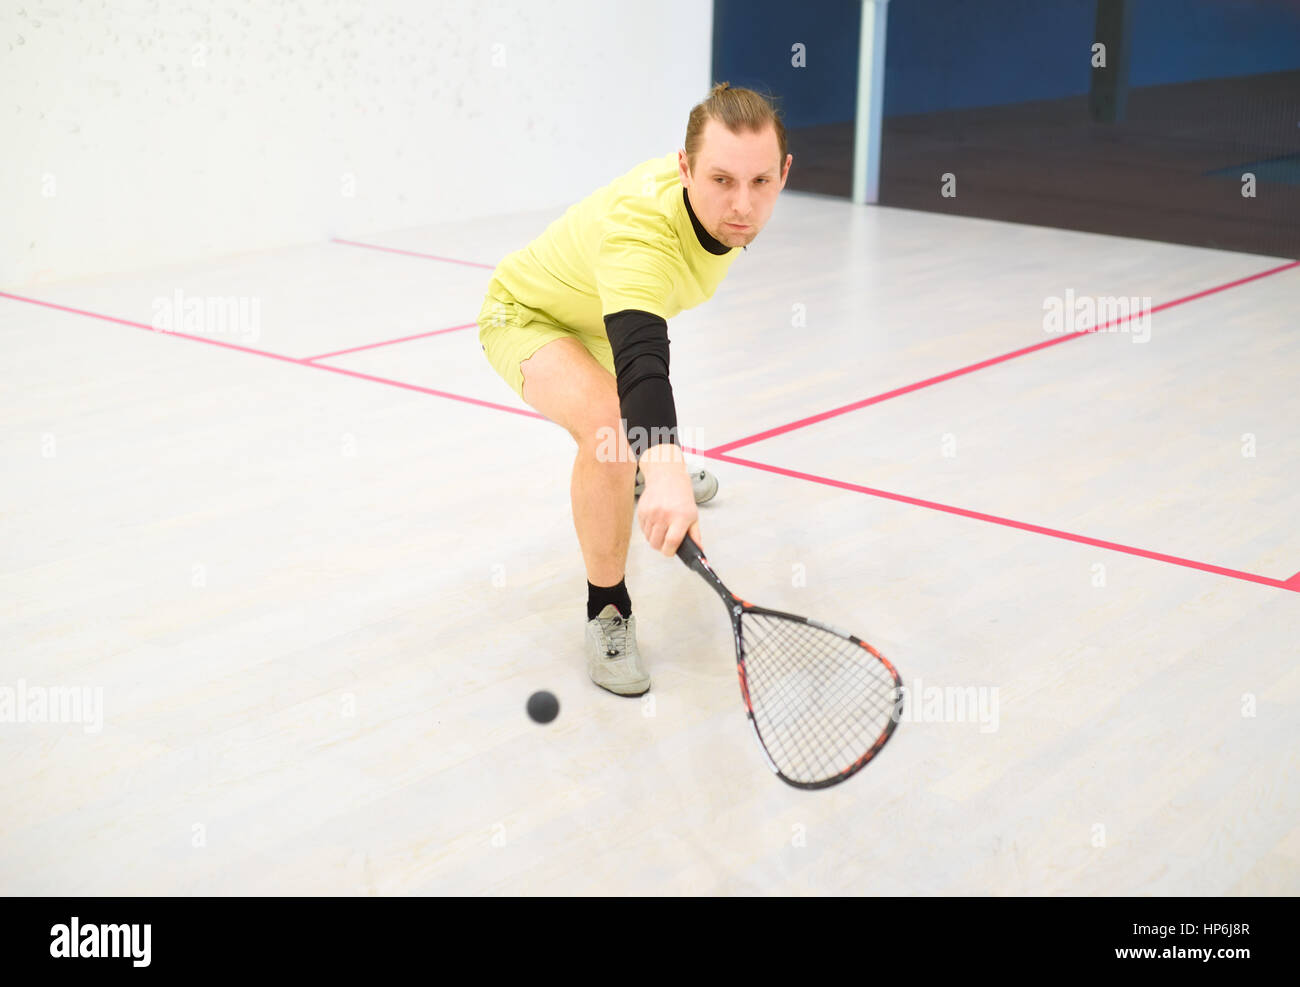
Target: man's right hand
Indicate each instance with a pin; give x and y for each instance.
(667, 508)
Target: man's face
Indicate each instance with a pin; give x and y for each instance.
(735, 181)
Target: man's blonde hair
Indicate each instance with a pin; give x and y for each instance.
(738, 110)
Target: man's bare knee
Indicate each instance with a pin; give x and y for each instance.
(600, 436)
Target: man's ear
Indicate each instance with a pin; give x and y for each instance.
(789, 159)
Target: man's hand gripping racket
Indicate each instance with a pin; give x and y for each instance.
(822, 702)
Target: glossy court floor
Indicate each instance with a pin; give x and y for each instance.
(316, 566)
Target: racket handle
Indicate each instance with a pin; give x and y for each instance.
(689, 552)
(693, 556)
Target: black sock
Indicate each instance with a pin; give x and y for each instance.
(599, 596)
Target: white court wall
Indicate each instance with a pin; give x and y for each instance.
(135, 133)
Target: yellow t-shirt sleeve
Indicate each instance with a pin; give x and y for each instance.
(635, 266)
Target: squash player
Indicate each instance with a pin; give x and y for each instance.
(576, 324)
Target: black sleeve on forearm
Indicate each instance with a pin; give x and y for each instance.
(645, 397)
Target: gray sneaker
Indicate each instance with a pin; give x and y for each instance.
(613, 661)
(704, 484)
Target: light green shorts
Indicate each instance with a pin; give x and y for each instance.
(510, 332)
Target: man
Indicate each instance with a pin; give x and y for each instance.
(576, 323)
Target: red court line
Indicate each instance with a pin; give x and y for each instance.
(389, 342)
(930, 381)
(1292, 584)
(527, 413)
(413, 253)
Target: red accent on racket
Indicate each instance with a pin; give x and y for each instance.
(822, 702)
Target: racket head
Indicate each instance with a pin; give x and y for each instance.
(822, 702)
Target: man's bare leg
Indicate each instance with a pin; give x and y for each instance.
(566, 384)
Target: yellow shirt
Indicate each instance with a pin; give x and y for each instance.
(628, 245)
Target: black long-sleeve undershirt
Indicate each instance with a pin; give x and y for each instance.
(645, 396)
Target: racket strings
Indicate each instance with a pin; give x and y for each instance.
(820, 702)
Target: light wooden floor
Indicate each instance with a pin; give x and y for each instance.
(316, 602)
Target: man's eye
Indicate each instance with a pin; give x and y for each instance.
(719, 179)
